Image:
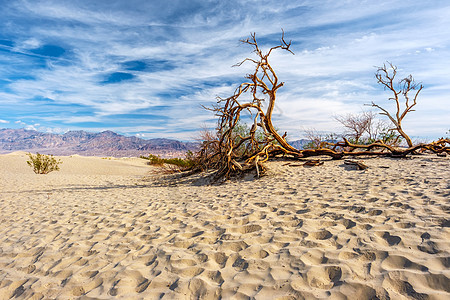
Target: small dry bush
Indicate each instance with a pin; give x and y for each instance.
(319, 140)
(182, 164)
(364, 129)
(43, 164)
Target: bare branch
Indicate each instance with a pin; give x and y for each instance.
(385, 76)
(236, 148)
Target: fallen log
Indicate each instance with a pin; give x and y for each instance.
(360, 165)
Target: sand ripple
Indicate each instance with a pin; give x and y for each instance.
(322, 232)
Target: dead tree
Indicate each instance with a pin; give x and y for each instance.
(386, 77)
(364, 128)
(233, 152)
(262, 86)
(357, 124)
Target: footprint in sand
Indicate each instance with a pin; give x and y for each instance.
(90, 274)
(346, 255)
(321, 235)
(362, 291)
(314, 257)
(189, 235)
(438, 282)
(428, 247)
(93, 284)
(142, 285)
(257, 265)
(240, 264)
(187, 272)
(323, 277)
(220, 258)
(198, 288)
(214, 276)
(302, 211)
(246, 229)
(151, 260)
(254, 252)
(183, 263)
(348, 223)
(392, 240)
(369, 256)
(404, 288)
(31, 269)
(113, 292)
(201, 257)
(439, 263)
(444, 222)
(405, 225)
(375, 212)
(18, 291)
(78, 291)
(233, 246)
(395, 262)
(365, 226)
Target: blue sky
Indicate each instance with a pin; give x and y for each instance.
(145, 68)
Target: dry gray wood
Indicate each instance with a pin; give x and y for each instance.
(360, 165)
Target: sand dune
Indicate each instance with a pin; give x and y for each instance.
(104, 228)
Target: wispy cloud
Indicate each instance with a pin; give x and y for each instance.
(146, 67)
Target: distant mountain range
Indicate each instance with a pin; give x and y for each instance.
(106, 143)
(299, 144)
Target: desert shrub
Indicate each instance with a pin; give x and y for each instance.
(153, 159)
(357, 125)
(183, 163)
(387, 136)
(364, 129)
(180, 162)
(43, 164)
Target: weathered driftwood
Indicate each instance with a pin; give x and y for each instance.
(386, 77)
(233, 153)
(313, 163)
(359, 164)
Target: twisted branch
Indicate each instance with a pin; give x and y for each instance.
(234, 152)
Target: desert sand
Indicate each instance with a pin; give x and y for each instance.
(117, 228)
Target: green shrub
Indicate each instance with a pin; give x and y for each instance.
(153, 159)
(387, 136)
(43, 164)
(182, 163)
(243, 130)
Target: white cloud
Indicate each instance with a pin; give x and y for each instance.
(27, 44)
(30, 127)
(337, 45)
(3, 121)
